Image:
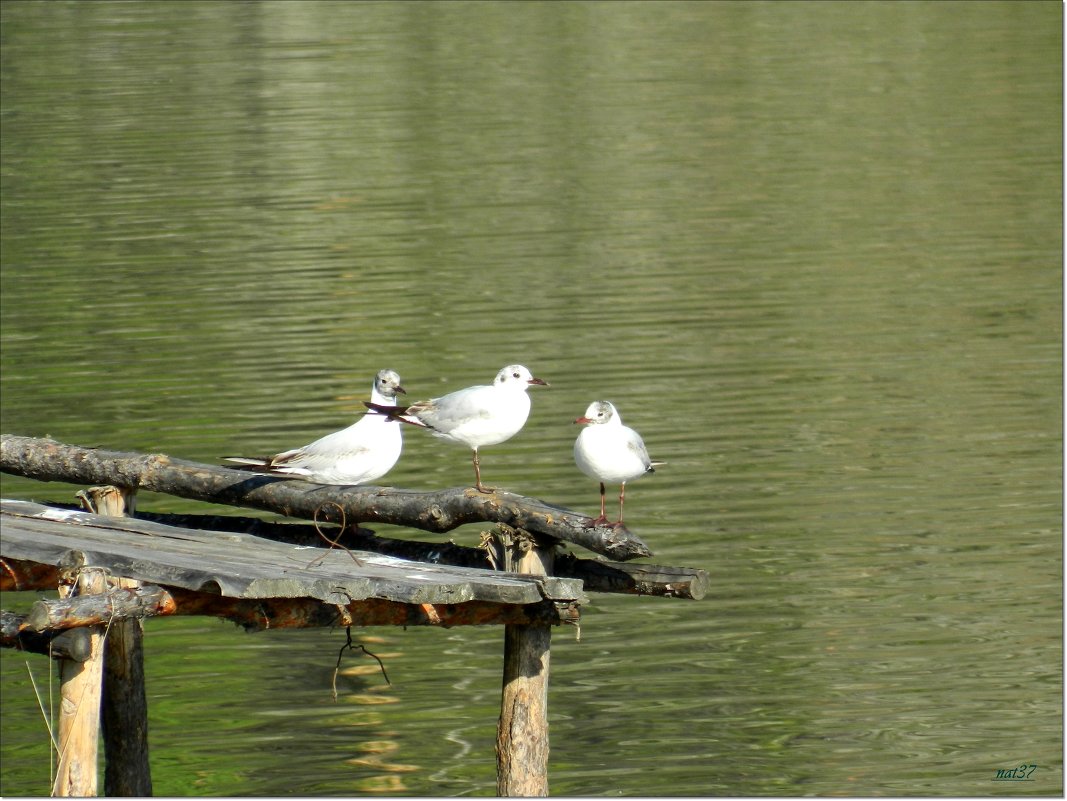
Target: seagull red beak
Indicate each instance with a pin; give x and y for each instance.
(538, 381)
(400, 389)
(583, 420)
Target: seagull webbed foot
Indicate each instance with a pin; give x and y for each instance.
(595, 522)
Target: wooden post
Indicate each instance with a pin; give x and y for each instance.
(125, 706)
(79, 711)
(125, 710)
(522, 734)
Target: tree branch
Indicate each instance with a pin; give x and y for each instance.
(443, 510)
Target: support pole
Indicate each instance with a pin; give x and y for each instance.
(79, 707)
(125, 707)
(125, 710)
(522, 734)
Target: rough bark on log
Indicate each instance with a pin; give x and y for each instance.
(277, 613)
(280, 613)
(443, 510)
(634, 579)
(71, 644)
(99, 608)
(19, 576)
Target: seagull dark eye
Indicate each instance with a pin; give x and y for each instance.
(514, 375)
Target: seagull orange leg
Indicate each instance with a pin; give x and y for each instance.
(603, 519)
(478, 473)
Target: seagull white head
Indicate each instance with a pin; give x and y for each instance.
(517, 377)
(599, 413)
(387, 386)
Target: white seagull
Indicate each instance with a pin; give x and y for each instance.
(359, 454)
(610, 452)
(475, 416)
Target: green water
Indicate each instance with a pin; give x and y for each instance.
(812, 252)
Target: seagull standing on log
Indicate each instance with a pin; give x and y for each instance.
(475, 416)
(359, 454)
(610, 452)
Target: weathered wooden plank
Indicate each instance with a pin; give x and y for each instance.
(596, 575)
(444, 510)
(239, 565)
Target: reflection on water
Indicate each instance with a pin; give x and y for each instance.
(812, 251)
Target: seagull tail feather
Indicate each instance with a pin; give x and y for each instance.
(394, 413)
(246, 462)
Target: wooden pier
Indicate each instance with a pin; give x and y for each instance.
(113, 567)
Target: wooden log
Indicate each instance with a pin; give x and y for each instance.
(124, 705)
(278, 613)
(443, 510)
(522, 733)
(71, 644)
(79, 711)
(108, 500)
(18, 575)
(98, 609)
(635, 579)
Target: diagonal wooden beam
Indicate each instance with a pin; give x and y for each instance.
(438, 511)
